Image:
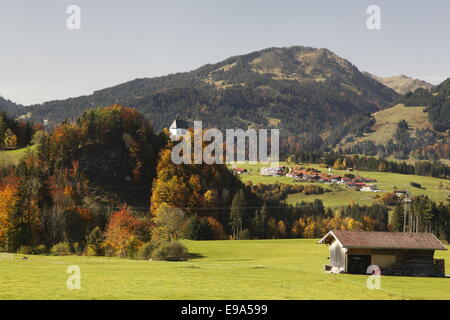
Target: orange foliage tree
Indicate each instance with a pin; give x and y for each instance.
(121, 232)
(8, 206)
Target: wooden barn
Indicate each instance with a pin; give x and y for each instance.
(396, 253)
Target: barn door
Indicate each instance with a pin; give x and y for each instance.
(358, 264)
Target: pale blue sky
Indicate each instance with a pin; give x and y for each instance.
(119, 41)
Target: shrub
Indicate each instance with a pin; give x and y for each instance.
(61, 249)
(131, 247)
(77, 248)
(170, 251)
(146, 250)
(25, 250)
(40, 249)
(94, 242)
(108, 249)
(90, 251)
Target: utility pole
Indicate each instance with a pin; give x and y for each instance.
(407, 213)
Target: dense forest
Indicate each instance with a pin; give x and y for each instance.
(352, 127)
(15, 133)
(437, 102)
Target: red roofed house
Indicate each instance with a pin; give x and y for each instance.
(396, 253)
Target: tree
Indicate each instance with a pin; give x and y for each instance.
(237, 212)
(95, 240)
(10, 139)
(8, 220)
(198, 228)
(260, 221)
(121, 227)
(168, 222)
(217, 228)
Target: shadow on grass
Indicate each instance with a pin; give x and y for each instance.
(228, 260)
(193, 255)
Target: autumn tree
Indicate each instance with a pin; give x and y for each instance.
(168, 222)
(9, 139)
(8, 218)
(120, 231)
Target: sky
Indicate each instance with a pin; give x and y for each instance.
(42, 60)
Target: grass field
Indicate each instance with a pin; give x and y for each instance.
(343, 196)
(254, 269)
(14, 156)
(387, 120)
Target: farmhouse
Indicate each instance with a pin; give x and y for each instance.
(396, 253)
(240, 171)
(275, 172)
(369, 188)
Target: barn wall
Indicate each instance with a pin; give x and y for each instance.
(403, 255)
(383, 260)
(388, 257)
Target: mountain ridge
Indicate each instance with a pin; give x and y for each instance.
(300, 90)
(402, 84)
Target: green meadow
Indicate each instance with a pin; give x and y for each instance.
(14, 156)
(435, 188)
(254, 269)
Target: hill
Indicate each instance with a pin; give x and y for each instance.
(437, 102)
(297, 89)
(402, 84)
(386, 121)
(10, 107)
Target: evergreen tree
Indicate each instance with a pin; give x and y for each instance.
(237, 212)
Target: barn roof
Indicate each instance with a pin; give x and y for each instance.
(384, 240)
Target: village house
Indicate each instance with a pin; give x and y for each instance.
(240, 171)
(395, 253)
(274, 172)
(369, 188)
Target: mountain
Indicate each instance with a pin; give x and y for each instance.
(300, 90)
(402, 84)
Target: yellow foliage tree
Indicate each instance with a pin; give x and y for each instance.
(10, 139)
(8, 204)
